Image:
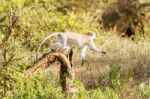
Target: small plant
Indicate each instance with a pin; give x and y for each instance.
(144, 89)
(110, 94)
(114, 76)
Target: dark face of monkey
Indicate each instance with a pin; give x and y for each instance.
(92, 34)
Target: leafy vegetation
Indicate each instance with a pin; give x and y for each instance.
(128, 18)
(123, 73)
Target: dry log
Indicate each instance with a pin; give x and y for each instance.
(66, 72)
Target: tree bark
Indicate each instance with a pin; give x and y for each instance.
(66, 71)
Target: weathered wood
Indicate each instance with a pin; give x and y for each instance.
(66, 71)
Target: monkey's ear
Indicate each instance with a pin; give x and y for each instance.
(89, 34)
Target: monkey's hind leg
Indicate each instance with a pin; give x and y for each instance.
(55, 47)
(63, 41)
(70, 55)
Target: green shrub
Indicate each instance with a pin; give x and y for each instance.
(114, 76)
(144, 89)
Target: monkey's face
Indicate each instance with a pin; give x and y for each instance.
(92, 35)
(94, 39)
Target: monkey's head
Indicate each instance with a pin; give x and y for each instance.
(92, 34)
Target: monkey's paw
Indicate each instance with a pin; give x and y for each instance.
(103, 52)
(83, 62)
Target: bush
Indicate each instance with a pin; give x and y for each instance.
(144, 89)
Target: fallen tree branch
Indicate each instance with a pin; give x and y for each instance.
(66, 72)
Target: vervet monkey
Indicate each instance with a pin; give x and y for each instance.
(68, 39)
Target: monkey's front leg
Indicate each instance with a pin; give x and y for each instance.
(83, 54)
(95, 49)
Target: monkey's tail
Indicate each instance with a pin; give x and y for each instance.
(49, 36)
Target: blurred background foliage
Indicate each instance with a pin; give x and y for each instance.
(24, 23)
